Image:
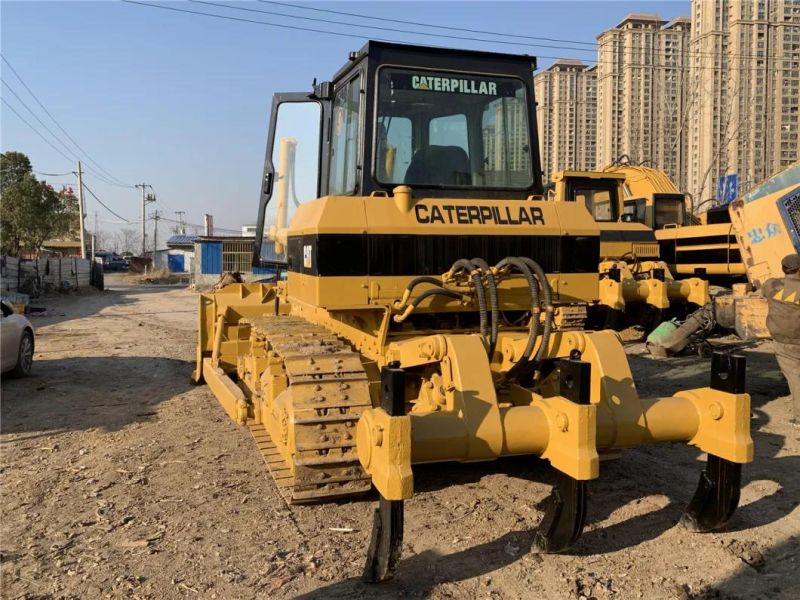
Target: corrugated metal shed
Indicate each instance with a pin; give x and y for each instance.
(211, 257)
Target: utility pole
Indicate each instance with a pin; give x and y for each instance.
(145, 199)
(180, 214)
(94, 236)
(156, 217)
(81, 215)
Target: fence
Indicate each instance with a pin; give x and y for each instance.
(34, 276)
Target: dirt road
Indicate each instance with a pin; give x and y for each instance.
(120, 479)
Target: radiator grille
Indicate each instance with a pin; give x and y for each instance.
(791, 213)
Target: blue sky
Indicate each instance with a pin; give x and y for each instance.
(181, 101)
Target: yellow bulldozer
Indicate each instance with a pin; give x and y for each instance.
(429, 304)
(636, 286)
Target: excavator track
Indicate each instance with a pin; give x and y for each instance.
(307, 435)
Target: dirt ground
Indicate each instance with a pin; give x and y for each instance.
(120, 479)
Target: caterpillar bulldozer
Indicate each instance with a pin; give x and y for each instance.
(430, 305)
(636, 286)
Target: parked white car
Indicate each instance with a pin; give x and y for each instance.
(16, 342)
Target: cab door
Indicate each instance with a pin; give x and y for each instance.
(294, 168)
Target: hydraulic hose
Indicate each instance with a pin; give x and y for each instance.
(534, 290)
(475, 276)
(399, 305)
(426, 294)
(435, 292)
(548, 304)
(637, 265)
(424, 279)
(491, 285)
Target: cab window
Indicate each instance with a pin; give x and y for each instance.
(441, 129)
(449, 131)
(394, 148)
(599, 197)
(669, 211)
(344, 138)
(601, 203)
(636, 208)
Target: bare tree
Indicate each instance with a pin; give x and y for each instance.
(127, 240)
(101, 240)
(729, 130)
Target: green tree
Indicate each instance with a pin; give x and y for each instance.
(31, 211)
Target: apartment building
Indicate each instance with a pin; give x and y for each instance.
(566, 112)
(745, 82)
(642, 96)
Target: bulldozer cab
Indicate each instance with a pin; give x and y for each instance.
(657, 211)
(601, 193)
(447, 124)
(622, 232)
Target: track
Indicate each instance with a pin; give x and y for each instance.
(307, 435)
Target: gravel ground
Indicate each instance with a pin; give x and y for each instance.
(120, 479)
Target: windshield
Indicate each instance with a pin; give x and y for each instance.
(636, 208)
(669, 211)
(438, 129)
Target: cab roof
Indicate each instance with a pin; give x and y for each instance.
(437, 56)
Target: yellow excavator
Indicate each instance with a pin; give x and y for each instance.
(703, 245)
(767, 224)
(766, 221)
(432, 305)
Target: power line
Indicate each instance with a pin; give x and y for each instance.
(187, 224)
(54, 174)
(243, 20)
(449, 28)
(35, 116)
(394, 29)
(55, 137)
(64, 131)
(365, 37)
(88, 189)
(118, 222)
(36, 131)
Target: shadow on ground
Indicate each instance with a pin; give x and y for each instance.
(775, 577)
(60, 308)
(73, 394)
(419, 574)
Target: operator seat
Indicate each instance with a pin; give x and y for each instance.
(439, 165)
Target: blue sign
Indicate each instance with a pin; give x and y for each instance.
(727, 188)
